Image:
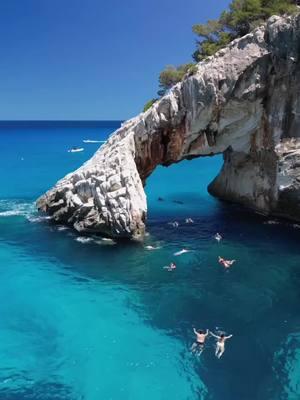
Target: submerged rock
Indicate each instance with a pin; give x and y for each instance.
(242, 102)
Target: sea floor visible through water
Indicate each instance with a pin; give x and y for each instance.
(85, 318)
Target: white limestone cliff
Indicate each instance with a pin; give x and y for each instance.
(242, 102)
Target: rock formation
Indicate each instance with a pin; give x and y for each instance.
(243, 102)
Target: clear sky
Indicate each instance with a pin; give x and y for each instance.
(91, 59)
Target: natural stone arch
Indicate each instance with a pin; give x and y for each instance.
(242, 102)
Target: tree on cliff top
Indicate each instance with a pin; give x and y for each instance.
(241, 17)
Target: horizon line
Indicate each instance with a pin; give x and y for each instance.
(61, 120)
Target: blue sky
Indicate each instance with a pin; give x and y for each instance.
(91, 59)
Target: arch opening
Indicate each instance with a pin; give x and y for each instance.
(180, 190)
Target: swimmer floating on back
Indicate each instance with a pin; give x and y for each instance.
(220, 348)
(200, 340)
(226, 263)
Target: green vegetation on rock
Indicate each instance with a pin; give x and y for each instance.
(149, 104)
(241, 17)
(172, 75)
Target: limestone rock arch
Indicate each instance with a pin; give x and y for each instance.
(242, 102)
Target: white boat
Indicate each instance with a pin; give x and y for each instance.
(76, 150)
(93, 141)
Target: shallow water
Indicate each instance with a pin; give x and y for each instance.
(90, 319)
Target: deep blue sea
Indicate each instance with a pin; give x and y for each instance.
(92, 320)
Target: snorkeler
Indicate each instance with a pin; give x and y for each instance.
(226, 263)
(200, 340)
(220, 348)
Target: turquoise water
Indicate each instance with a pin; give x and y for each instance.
(85, 320)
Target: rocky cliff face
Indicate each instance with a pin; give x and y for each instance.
(243, 102)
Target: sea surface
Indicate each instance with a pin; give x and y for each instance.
(83, 318)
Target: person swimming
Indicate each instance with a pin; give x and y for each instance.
(170, 267)
(220, 347)
(152, 247)
(183, 251)
(200, 340)
(218, 237)
(189, 221)
(226, 263)
(175, 224)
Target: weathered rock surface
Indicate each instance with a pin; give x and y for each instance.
(243, 102)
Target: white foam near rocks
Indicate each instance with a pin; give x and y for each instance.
(11, 208)
(10, 213)
(271, 222)
(62, 228)
(38, 218)
(105, 242)
(83, 239)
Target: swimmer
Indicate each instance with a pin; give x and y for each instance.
(152, 247)
(220, 348)
(178, 253)
(175, 224)
(170, 267)
(218, 237)
(189, 221)
(226, 263)
(200, 340)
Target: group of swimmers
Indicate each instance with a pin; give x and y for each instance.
(225, 263)
(201, 337)
(175, 224)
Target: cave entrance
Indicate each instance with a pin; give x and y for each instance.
(180, 190)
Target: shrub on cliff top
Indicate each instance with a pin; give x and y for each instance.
(149, 104)
(172, 75)
(169, 77)
(240, 19)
